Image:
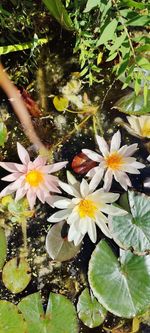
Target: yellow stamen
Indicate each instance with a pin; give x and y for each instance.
(34, 178)
(87, 208)
(145, 130)
(114, 161)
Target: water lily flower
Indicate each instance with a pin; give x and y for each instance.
(115, 162)
(140, 126)
(86, 209)
(31, 179)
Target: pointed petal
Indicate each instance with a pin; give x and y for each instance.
(113, 210)
(20, 193)
(59, 216)
(84, 188)
(96, 180)
(69, 189)
(92, 155)
(128, 150)
(103, 146)
(122, 178)
(108, 180)
(31, 197)
(11, 177)
(101, 221)
(39, 161)
(61, 202)
(115, 142)
(23, 154)
(7, 190)
(54, 167)
(13, 167)
(92, 231)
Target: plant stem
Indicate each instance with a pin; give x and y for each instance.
(24, 232)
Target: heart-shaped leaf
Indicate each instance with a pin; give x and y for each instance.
(16, 275)
(60, 103)
(11, 320)
(121, 286)
(90, 311)
(133, 229)
(60, 315)
(58, 246)
(3, 247)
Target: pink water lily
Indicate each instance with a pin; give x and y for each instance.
(31, 179)
(116, 162)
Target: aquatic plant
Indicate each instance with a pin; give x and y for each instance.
(115, 162)
(140, 126)
(85, 209)
(31, 179)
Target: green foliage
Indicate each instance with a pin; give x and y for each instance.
(3, 134)
(16, 275)
(3, 247)
(23, 46)
(121, 285)
(11, 320)
(89, 310)
(58, 10)
(60, 316)
(133, 229)
(60, 103)
(19, 211)
(133, 104)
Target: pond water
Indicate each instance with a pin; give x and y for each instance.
(56, 130)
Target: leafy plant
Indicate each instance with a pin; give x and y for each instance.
(11, 320)
(3, 247)
(58, 10)
(133, 105)
(3, 134)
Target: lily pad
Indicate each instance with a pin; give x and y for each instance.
(16, 275)
(90, 311)
(121, 286)
(11, 320)
(132, 104)
(60, 316)
(60, 103)
(3, 134)
(133, 229)
(3, 247)
(58, 246)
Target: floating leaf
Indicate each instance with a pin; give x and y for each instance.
(121, 286)
(3, 247)
(132, 104)
(58, 246)
(60, 103)
(3, 134)
(133, 229)
(11, 320)
(16, 275)
(90, 311)
(60, 315)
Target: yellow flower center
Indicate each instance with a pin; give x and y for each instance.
(34, 178)
(114, 161)
(145, 131)
(87, 208)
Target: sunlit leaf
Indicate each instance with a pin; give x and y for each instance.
(90, 311)
(20, 47)
(11, 320)
(132, 104)
(58, 246)
(60, 316)
(121, 285)
(59, 12)
(3, 247)
(3, 134)
(108, 32)
(16, 275)
(91, 4)
(60, 103)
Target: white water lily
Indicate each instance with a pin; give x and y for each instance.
(115, 162)
(85, 209)
(140, 126)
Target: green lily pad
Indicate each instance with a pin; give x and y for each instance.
(133, 229)
(3, 247)
(3, 134)
(121, 286)
(11, 320)
(132, 104)
(90, 311)
(16, 275)
(58, 247)
(60, 316)
(60, 103)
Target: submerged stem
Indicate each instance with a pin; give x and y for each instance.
(24, 232)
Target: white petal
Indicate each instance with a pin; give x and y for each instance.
(55, 167)
(134, 123)
(70, 178)
(122, 178)
(84, 224)
(11, 177)
(92, 231)
(31, 196)
(103, 146)
(92, 172)
(74, 235)
(104, 197)
(130, 169)
(74, 217)
(84, 188)
(112, 210)
(96, 180)
(59, 216)
(115, 142)
(128, 150)
(108, 180)
(61, 202)
(69, 189)
(23, 154)
(148, 158)
(101, 221)
(92, 155)
(138, 165)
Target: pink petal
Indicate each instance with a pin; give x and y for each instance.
(31, 197)
(23, 154)
(115, 142)
(7, 190)
(20, 193)
(12, 167)
(39, 161)
(54, 167)
(11, 177)
(41, 195)
(103, 146)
